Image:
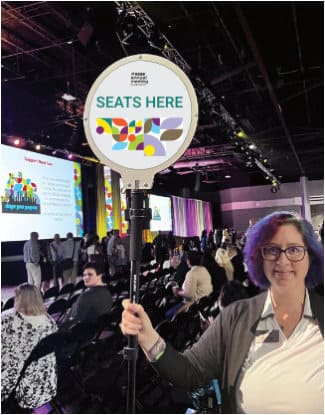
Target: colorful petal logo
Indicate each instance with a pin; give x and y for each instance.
(149, 135)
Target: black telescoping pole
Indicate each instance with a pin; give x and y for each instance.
(137, 215)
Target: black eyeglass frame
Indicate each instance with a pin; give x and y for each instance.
(285, 252)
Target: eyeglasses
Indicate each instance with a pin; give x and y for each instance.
(293, 253)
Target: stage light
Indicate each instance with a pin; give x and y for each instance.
(17, 142)
(70, 156)
(227, 176)
(68, 97)
(53, 152)
(242, 134)
(38, 147)
(265, 161)
(252, 147)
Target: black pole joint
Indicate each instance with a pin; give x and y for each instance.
(130, 353)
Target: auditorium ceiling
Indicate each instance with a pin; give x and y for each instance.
(257, 68)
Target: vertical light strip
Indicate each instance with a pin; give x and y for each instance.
(100, 206)
(116, 200)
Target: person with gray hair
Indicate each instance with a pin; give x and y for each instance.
(32, 258)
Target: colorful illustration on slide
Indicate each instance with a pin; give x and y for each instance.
(156, 213)
(20, 195)
(78, 198)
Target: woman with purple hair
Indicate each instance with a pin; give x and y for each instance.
(266, 351)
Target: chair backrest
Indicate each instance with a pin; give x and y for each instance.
(9, 303)
(72, 300)
(58, 308)
(51, 293)
(80, 285)
(67, 289)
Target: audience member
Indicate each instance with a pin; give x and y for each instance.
(203, 240)
(160, 248)
(210, 243)
(32, 260)
(171, 244)
(111, 252)
(95, 301)
(147, 253)
(223, 260)
(56, 255)
(45, 263)
(95, 251)
(237, 261)
(70, 258)
(267, 351)
(180, 266)
(230, 292)
(217, 273)
(20, 333)
(197, 283)
(120, 254)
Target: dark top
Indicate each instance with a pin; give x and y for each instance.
(180, 272)
(239, 270)
(91, 304)
(218, 274)
(221, 351)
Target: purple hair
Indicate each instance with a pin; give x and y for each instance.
(263, 231)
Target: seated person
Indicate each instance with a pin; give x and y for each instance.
(180, 269)
(20, 333)
(197, 284)
(93, 302)
(237, 260)
(218, 274)
(230, 292)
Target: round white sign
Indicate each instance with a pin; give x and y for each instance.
(140, 116)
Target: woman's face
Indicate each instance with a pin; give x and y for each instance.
(282, 273)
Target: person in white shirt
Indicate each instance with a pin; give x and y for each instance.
(267, 352)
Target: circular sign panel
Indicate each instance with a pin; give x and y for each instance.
(140, 116)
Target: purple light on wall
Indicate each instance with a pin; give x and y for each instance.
(191, 216)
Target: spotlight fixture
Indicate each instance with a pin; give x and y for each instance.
(17, 142)
(242, 134)
(227, 176)
(275, 186)
(68, 97)
(38, 147)
(70, 156)
(252, 146)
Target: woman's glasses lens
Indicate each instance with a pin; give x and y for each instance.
(293, 253)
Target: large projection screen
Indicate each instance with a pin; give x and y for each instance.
(161, 212)
(39, 193)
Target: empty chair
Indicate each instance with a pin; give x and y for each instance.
(58, 309)
(66, 291)
(51, 293)
(9, 303)
(80, 285)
